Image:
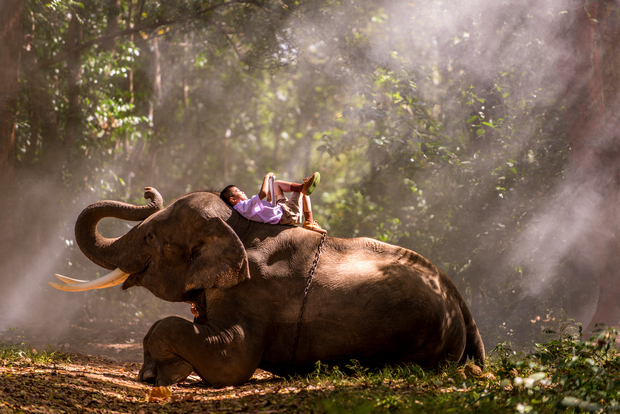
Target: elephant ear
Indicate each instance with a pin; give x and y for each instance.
(220, 261)
(204, 253)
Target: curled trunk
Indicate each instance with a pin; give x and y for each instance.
(113, 253)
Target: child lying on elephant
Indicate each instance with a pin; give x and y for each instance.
(286, 211)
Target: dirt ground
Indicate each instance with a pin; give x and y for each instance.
(100, 385)
(117, 343)
(101, 378)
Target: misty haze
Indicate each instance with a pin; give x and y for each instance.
(480, 134)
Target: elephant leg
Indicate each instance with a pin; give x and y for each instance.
(149, 372)
(167, 369)
(175, 347)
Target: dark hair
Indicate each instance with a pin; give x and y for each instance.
(226, 193)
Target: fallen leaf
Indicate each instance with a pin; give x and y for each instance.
(159, 394)
(473, 370)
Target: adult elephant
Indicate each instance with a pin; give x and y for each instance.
(367, 300)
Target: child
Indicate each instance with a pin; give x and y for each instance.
(286, 211)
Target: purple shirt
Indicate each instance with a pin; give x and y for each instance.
(259, 210)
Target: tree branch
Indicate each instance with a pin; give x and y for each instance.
(139, 28)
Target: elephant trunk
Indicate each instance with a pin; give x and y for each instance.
(110, 253)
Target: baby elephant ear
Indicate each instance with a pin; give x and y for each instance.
(222, 261)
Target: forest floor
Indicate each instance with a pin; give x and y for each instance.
(91, 367)
(90, 370)
(96, 384)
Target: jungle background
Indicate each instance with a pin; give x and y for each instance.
(481, 134)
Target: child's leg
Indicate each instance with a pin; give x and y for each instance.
(307, 206)
(281, 187)
(309, 222)
(288, 187)
(307, 187)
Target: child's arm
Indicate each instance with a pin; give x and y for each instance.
(265, 187)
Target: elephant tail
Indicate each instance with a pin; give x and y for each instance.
(474, 348)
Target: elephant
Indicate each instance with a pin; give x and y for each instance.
(274, 297)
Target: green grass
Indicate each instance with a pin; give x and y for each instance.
(21, 354)
(565, 373)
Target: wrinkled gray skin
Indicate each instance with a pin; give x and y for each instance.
(370, 301)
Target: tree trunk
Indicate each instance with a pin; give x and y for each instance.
(113, 11)
(11, 40)
(608, 308)
(74, 35)
(592, 68)
(130, 20)
(584, 97)
(157, 114)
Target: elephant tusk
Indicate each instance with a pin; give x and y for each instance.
(116, 277)
(69, 280)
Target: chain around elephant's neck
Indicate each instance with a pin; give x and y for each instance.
(303, 302)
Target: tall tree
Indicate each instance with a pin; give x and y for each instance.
(74, 37)
(11, 40)
(592, 71)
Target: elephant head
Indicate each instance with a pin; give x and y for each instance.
(174, 252)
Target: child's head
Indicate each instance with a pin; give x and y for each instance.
(232, 195)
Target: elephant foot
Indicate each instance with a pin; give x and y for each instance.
(162, 365)
(172, 371)
(165, 373)
(148, 374)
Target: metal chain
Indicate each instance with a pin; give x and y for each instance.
(303, 302)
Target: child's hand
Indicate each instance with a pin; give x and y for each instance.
(264, 189)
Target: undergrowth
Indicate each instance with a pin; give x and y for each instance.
(565, 373)
(24, 354)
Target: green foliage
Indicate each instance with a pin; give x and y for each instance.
(429, 131)
(562, 374)
(587, 371)
(23, 354)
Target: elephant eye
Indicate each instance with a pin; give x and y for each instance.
(149, 239)
(196, 251)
